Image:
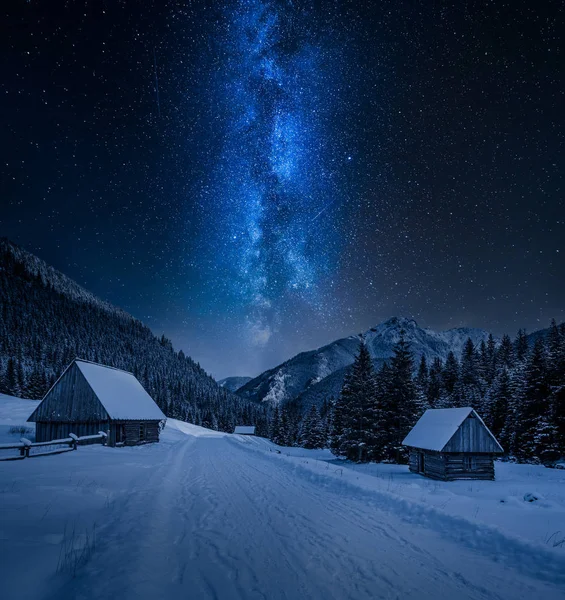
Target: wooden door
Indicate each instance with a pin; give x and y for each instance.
(120, 433)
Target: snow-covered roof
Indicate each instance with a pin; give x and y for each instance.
(245, 429)
(120, 393)
(436, 427)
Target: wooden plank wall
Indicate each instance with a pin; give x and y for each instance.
(482, 466)
(45, 432)
(71, 400)
(132, 430)
(434, 465)
(472, 436)
(413, 462)
(448, 467)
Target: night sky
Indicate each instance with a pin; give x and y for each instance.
(258, 178)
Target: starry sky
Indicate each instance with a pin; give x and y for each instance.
(257, 178)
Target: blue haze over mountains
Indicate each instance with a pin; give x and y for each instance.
(318, 374)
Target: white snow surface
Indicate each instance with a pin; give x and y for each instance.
(209, 515)
(120, 392)
(14, 413)
(245, 429)
(437, 426)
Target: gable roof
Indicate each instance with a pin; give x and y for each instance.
(120, 393)
(437, 426)
(245, 429)
(116, 395)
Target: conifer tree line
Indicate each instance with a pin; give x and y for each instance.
(517, 386)
(42, 330)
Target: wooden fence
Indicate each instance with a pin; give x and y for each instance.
(27, 449)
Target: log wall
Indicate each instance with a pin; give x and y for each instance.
(413, 462)
(45, 432)
(481, 466)
(132, 431)
(448, 466)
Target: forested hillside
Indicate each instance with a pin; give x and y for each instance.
(46, 320)
(314, 375)
(517, 386)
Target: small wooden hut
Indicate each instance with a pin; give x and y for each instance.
(89, 398)
(452, 443)
(245, 429)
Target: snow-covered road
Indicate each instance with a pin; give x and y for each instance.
(208, 517)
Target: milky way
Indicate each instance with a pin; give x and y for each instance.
(255, 179)
(276, 174)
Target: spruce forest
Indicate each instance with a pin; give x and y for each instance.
(516, 385)
(46, 321)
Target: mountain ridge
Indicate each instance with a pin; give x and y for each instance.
(294, 377)
(48, 320)
(234, 382)
(61, 283)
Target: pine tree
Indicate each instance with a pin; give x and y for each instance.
(469, 363)
(556, 355)
(35, 387)
(435, 386)
(505, 352)
(422, 385)
(384, 444)
(521, 345)
(471, 389)
(11, 378)
(275, 429)
(337, 430)
(403, 397)
(490, 363)
(285, 433)
(546, 440)
(312, 432)
(499, 401)
(359, 409)
(534, 404)
(450, 373)
(483, 361)
(557, 408)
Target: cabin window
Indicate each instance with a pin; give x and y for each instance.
(141, 432)
(468, 463)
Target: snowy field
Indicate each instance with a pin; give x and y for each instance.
(210, 515)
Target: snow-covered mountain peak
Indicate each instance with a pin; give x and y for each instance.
(316, 368)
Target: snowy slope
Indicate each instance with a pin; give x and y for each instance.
(63, 321)
(233, 383)
(14, 413)
(309, 371)
(209, 515)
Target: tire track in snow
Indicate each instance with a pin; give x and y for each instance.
(215, 520)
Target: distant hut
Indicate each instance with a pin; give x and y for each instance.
(452, 443)
(89, 398)
(245, 430)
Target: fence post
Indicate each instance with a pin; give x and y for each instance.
(74, 443)
(26, 448)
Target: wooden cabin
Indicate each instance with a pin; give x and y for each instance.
(452, 443)
(89, 398)
(245, 430)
